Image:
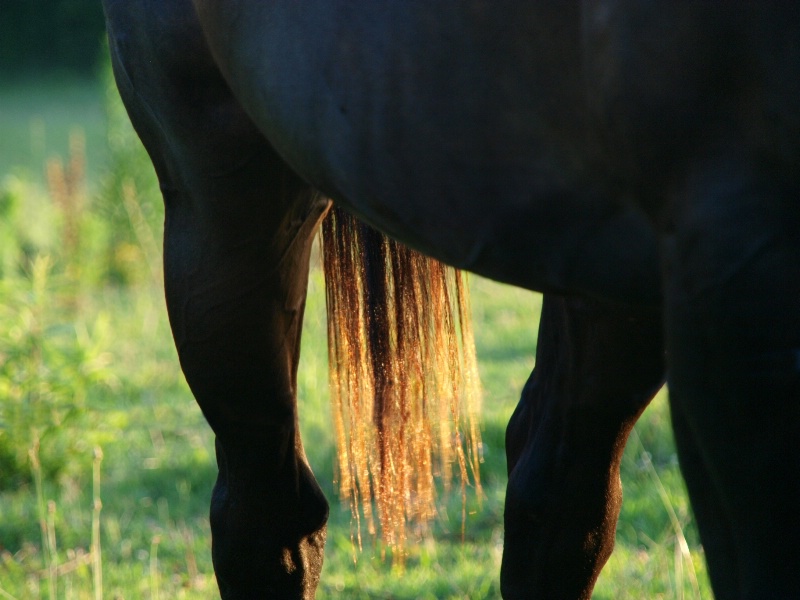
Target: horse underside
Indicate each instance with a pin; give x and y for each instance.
(637, 163)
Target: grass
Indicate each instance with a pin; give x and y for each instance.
(141, 511)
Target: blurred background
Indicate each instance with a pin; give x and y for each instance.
(106, 464)
(49, 36)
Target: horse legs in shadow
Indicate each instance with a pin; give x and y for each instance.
(236, 298)
(236, 287)
(238, 233)
(597, 368)
(733, 323)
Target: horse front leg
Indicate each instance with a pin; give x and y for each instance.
(597, 368)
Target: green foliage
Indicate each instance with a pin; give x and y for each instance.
(48, 364)
(12, 241)
(129, 199)
(56, 245)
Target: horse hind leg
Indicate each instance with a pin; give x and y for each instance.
(236, 314)
(236, 286)
(238, 233)
(239, 347)
(733, 323)
(597, 368)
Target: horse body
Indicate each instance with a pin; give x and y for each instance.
(482, 133)
(639, 153)
(431, 124)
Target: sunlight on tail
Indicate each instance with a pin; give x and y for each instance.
(404, 380)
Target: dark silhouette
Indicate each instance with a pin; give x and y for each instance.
(636, 161)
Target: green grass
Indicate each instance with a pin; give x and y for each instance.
(158, 463)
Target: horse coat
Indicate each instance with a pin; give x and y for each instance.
(637, 160)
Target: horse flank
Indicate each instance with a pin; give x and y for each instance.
(404, 381)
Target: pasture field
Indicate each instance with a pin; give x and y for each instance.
(106, 464)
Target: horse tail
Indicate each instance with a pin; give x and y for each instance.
(404, 381)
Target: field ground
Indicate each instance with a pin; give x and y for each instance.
(104, 351)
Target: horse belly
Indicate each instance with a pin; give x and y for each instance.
(463, 134)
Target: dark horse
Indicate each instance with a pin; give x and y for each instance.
(639, 162)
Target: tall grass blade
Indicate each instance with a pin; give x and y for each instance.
(97, 506)
(144, 235)
(682, 545)
(5, 595)
(154, 585)
(52, 550)
(47, 552)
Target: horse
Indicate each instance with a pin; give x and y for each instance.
(636, 162)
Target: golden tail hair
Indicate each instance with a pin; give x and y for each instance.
(404, 381)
